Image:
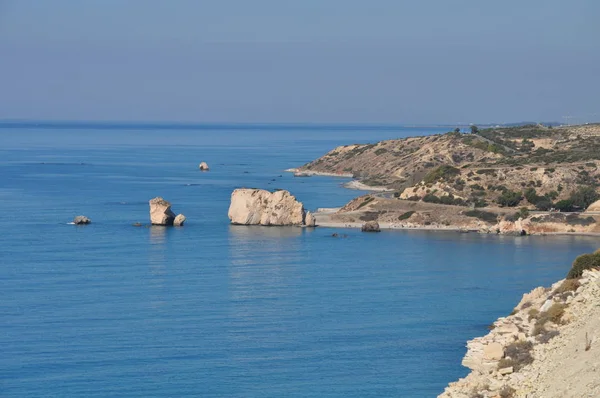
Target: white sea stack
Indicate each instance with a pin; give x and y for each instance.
(160, 212)
(261, 207)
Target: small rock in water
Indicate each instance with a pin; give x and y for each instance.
(81, 220)
(137, 224)
(203, 166)
(371, 226)
(179, 220)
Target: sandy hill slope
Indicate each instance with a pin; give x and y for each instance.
(493, 166)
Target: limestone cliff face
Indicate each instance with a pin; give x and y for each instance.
(261, 207)
(548, 347)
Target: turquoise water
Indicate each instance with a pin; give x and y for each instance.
(216, 310)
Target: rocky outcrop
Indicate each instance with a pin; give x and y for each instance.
(548, 224)
(203, 166)
(309, 220)
(515, 228)
(261, 207)
(546, 348)
(371, 226)
(161, 213)
(179, 220)
(81, 220)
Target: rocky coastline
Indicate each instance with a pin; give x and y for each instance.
(547, 347)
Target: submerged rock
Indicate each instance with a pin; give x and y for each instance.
(81, 220)
(160, 212)
(261, 207)
(371, 226)
(203, 166)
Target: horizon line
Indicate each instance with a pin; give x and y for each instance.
(175, 125)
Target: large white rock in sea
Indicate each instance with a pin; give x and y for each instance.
(161, 213)
(261, 207)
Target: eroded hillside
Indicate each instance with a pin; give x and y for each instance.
(535, 166)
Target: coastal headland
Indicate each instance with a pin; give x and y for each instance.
(530, 179)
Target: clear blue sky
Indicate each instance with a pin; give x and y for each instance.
(383, 61)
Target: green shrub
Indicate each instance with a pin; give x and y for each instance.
(459, 184)
(451, 200)
(431, 198)
(583, 197)
(532, 196)
(367, 200)
(565, 205)
(509, 198)
(479, 202)
(406, 215)
(583, 262)
(380, 151)
(483, 215)
(555, 312)
(522, 213)
(544, 204)
(568, 285)
(574, 219)
(517, 355)
(443, 172)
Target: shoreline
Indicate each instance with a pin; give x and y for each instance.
(322, 220)
(308, 173)
(357, 185)
(354, 184)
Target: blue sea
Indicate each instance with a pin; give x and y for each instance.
(214, 310)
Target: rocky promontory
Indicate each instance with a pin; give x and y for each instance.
(261, 207)
(547, 347)
(530, 179)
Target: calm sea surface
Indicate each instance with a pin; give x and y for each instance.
(216, 310)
